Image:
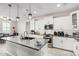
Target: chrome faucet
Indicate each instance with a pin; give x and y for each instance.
(25, 33)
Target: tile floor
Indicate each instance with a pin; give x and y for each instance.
(51, 52)
(3, 50)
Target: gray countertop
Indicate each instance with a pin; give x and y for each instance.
(74, 37)
(65, 36)
(27, 43)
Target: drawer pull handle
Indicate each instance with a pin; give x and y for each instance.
(76, 47)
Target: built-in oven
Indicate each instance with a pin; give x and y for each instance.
(1, 40)
(1, 34)
(50, 37)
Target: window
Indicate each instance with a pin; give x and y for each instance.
(6, 27)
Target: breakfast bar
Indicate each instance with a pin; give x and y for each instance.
(17, 46)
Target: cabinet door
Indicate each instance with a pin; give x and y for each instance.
(68, 43)
(78, 49)
(75, 47)
(57, 42)
(64, 43)
(12, 48)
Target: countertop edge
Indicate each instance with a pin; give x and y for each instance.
(26, 45)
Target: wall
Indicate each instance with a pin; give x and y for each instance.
(34, 25)
(63, 23)
(39, 25)
(21, 26)
(0, 26)
(12, 24)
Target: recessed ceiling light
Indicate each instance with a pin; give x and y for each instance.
(35, 12)
(58, 5)
(61, 4)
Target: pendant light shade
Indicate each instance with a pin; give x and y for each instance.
(9, 12)
(30, 14)
(17, 18)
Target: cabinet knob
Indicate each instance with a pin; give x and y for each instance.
(76, 47)
(61, 41)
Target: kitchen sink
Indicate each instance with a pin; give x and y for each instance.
(29, 38)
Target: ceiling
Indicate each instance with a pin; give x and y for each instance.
(38, 9)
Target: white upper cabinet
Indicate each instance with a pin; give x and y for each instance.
(63, 23)
(75, 19)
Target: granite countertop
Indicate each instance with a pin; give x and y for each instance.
(27, 43)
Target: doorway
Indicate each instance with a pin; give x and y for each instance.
(28, 27)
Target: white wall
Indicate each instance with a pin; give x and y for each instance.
(32, 24)
(39, 25)
(1, 26)
(21, 27)
(13, 24)
(63, 23)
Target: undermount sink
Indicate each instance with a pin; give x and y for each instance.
(29, 38)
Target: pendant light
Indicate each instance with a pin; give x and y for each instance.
(17, 18)
(30, 14)
(9, 12)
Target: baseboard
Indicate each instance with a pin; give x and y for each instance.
(9, 53)
(63, 49)
(74, 53)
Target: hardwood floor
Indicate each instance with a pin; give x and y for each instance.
(57, 52)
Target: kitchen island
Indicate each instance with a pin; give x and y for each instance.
(19, 47)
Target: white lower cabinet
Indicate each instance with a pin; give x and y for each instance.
(68, 43)
(11, 48)
(57, 42)
(63, 42)
(76, 48)
(18, 50)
